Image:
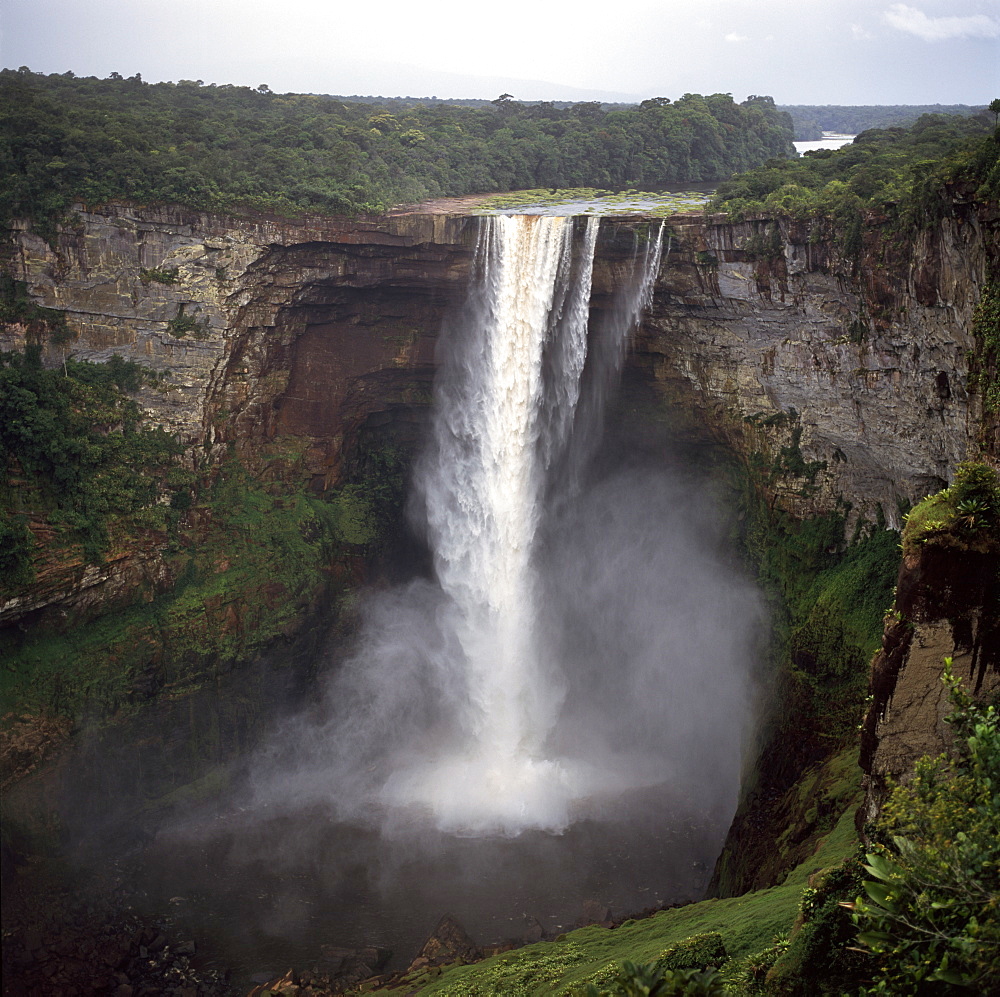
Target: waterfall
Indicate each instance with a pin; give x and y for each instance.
(509, 398)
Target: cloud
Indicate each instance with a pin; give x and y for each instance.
(936, 29)
(733, 37)
(861, 33)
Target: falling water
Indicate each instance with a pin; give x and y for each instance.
(506, 403)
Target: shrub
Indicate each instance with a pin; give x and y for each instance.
(651, 980)
(696, 952)
(931, 909)
(966, 515)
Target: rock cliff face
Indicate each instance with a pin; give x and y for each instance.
(873, 362)
(259, 331)
(947, 606)
(247, 289)
(270, 328)
(837, 381)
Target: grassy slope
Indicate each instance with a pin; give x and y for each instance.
(747, 924)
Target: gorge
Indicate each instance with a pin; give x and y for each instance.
(307, 358)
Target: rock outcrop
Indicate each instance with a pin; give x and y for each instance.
(947, 606)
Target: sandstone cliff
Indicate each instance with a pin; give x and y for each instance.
(840, 383)
(309, 328)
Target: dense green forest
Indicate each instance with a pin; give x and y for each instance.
(811, 120)
(64, 138)
(72, 444)
(899, 173)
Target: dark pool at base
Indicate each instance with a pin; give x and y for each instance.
(265, 892)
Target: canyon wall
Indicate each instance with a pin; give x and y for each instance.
(311, 329)
(840, 383)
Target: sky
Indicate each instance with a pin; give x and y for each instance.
(797, 51)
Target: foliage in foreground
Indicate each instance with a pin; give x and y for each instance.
(932, 911)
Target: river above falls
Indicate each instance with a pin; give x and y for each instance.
(573, 201)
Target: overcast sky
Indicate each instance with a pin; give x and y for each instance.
(798, 51)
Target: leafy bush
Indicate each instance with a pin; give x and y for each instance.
(821, 956)
(696, 952)
(71, 441)
(16, 543)
(180, 325)
(932, 910)
(652, 980)
(966, 515)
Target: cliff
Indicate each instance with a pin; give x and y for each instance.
(300, 347)
(759, 318)
(268, 328)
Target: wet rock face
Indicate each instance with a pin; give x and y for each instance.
(320, 331)
(448, 943)
(874, 363)
(330, 340)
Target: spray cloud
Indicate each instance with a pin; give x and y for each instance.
(570, 646)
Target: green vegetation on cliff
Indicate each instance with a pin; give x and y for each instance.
(64, 138)
(218, 561)
(984, 363)
(75, 459)
(245, 566)
(964, 516)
